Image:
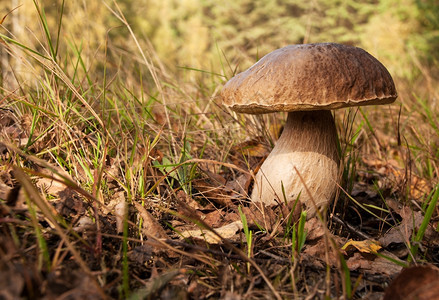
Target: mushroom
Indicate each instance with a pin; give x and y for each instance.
(307, 81)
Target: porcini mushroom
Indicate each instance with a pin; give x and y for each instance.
(307, 81)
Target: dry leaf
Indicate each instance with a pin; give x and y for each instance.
(214, 218)
(50, 185)
(182, 196)
(210, 171)
(84, 223)
(239, 187)
(227, 232)
(362, 187)
(251, 148)
(314, 228)
(120, 210)
(415, 283)
(141, 254)
(271, 218)
(73, 284)
(6, 184)
(366, 246)
(316, 254)
(402, 232)
(375, 265)
(150, 224)
(69, 203)
(216, 194)
(10, 124)
(112, 172)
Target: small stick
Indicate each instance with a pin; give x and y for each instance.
(350, 227)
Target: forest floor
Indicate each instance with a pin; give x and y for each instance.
(203, 238)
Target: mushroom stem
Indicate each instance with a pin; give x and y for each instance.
(308, 144)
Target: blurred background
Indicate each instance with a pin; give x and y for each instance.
(207, 35)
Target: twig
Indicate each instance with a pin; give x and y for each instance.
(350, 227)
(276, 257)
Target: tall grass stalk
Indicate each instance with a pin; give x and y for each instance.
(248, 236)
(44, 252)
(298, 236)
(125, 265)
(417, 239)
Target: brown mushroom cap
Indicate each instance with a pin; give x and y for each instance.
(310, 77)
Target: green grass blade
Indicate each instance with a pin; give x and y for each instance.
(427, 217)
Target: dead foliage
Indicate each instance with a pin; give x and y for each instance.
(201, 232)
(417, 282)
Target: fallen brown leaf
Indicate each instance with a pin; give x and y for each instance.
(11, 127)
(314, 228)
(50, 186)
(252, 147)
(271, 218)
(315, 254)
(150, 224)
(112, 172)
(156, 284)
(228, 231)
(185, 198)
(239, 187)
(73, 285)
(6, 185)
(415, 283)
(402, 233)
(84, 223)
(69, 203)
(141, 254)
(372, 264)
(260, 216)
(217, 194)
(52, 180)
(211, 172)
(214, 218)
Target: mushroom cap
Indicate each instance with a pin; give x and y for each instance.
(310, 77)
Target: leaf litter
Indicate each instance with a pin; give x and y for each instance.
(173, 245)
(222, 216)
(415, 283)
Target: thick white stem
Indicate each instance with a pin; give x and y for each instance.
(308, 144)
